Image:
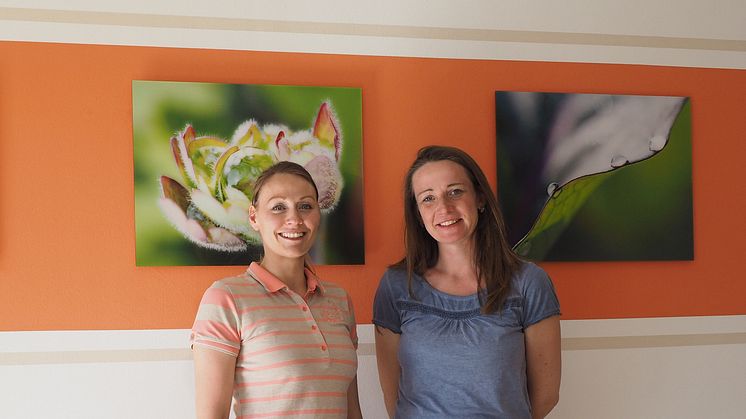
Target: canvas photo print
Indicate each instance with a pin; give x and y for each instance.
(595, 177)
(199, 147)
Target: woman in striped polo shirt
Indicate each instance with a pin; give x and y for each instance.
(276, 340)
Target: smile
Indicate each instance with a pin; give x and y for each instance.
(448, 223)
(296, 235)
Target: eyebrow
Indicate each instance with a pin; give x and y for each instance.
(447, 186)
(311, 197)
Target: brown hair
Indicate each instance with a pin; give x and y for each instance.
(283, 167)
(495, 261)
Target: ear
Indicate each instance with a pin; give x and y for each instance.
(252, 218)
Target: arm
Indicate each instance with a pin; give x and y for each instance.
(213, 378)
(387, 350)
(353, 402)
(543, 365)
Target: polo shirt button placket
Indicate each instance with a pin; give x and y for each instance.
(315, 328)
(319, 336)
(322, 346)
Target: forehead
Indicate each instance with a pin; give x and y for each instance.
(439, 174)
(287, 186)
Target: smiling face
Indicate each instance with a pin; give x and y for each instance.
(447, 202)
(286, 215)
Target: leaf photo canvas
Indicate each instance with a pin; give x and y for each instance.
(595, 177)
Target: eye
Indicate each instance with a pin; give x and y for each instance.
(305, 206)
(456, 192)
(427, 198)
(278, 207)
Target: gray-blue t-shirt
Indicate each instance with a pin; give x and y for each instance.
(455, 361)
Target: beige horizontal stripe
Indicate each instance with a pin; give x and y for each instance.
(394, 31)
(365, 349)
(657, 341)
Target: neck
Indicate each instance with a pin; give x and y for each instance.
(290, 271)
(456, 264)
(456, 257)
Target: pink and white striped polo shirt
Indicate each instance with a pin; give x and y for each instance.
(295, 356)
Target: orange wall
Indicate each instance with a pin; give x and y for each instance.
(67, 236)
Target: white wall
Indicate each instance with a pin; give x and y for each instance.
(686, 367)
(685, 33)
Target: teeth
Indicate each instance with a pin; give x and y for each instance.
(447, 223)
(292, 235)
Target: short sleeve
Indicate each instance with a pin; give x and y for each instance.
(351, 321)
(217, 323)
(540, 298)
(385, 313)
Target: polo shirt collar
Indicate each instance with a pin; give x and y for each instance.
(273, 284)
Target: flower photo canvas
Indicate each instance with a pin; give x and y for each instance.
(199, 147)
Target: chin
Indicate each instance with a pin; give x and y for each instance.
(296, 254)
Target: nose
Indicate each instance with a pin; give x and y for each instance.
(293, 217)
(444, 204)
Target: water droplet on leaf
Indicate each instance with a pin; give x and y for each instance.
(618, 161)
(657, 143)
(551, 188)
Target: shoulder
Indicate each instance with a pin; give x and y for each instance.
(332, 289)
(221, 301)
(235, 280)
(233, 285)
(530, 277)
(529, 270)
(536, 290)
(394, 274)
(394, 279)
(393, 285)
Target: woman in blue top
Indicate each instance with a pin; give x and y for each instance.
(464, 327)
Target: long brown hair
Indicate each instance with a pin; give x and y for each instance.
(495, 261)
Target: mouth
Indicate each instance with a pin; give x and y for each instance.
(292, 235)
(448, 223)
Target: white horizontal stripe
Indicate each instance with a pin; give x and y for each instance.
(366, 39)
(365, 45)
(172, 345)
(364, 349)
(359, 29)
(93, 340)
(687, 18)
(76, 340)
